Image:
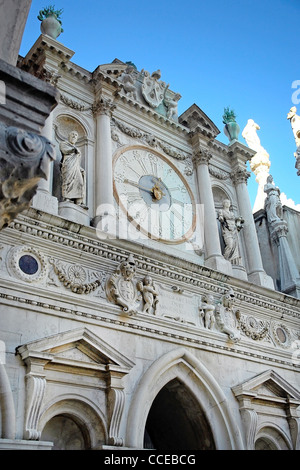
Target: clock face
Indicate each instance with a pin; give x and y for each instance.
(154, 195)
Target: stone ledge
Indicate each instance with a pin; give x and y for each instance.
(16, 444)
(28, 100)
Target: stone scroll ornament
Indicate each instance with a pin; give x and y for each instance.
(122, 289)
(24, 160)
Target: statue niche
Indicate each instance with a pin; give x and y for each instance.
(72, 174)
(230, 225)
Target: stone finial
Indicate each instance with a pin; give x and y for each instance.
(231, 129)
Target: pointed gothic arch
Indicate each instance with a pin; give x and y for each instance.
(181, 365)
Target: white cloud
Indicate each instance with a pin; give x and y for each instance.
(289, 202)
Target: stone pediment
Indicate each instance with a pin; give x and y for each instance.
(268, 386)
(77, 348)
(197, 121)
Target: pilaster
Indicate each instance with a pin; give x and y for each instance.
(239, 155)
(104, 202)
(214, 258)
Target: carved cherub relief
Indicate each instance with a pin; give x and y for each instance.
(150, 295)
(207, 310)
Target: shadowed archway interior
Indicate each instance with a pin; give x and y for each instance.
(176, 421)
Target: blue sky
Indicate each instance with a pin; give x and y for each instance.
(242, 54)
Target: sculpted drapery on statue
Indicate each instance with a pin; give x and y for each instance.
(273, 204)
(73, 176)
(250, 135)
(230, 227)
(295, 123)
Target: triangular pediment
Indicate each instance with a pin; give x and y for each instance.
(266, 386)
(197, 121)
(78, 347)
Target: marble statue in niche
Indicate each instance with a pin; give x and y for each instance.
(73, 175)
(150, 295)
(273, 206)
(231, 225)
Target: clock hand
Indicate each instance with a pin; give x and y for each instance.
(138, 186)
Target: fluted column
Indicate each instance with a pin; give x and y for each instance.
(213, 254)
(104, 200)
(256, 273)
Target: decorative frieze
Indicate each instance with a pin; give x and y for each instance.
(149, 139)
(218, 173)
(198, 277)
(76, 278)
(76, 105)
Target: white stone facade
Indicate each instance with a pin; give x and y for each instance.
(123, 341)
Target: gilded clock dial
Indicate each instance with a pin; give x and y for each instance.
(154, 195)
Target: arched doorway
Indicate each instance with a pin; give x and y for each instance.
(270, 438)
(176, 421)
(65, 433)
(202, 391)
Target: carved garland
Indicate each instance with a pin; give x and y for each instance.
(150, 140)
(78, 273)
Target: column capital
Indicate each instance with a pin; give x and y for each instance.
(103, 106)
(201, 156)
(240, 175)
(278, 229)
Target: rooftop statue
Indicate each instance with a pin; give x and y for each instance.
(250, 135)
(273, 204)
(295, 123)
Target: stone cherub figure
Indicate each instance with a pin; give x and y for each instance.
(150, 295)
(273, 206)
(128, 82)
(230, 227)
(73, 176)
(208, 309)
